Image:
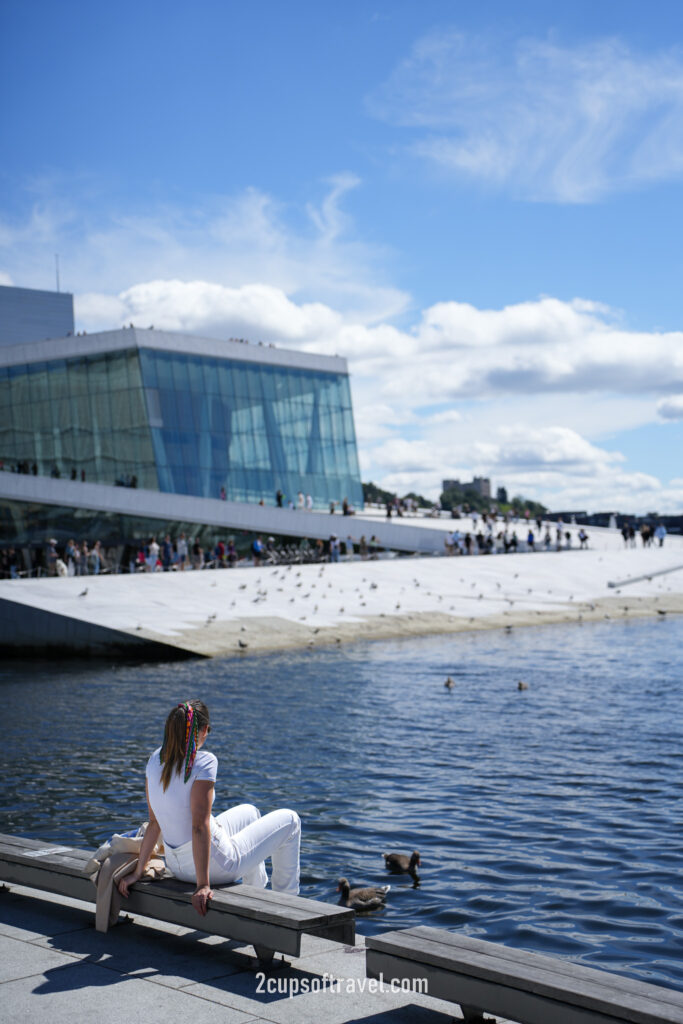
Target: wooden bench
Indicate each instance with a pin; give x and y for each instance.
(511, 983)
(270, 921)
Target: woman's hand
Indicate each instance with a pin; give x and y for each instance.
(200, 899)
(125, 883)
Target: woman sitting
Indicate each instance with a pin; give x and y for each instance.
(180, 793)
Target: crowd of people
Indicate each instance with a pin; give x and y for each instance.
(648, 535)
(490, 533)
(488, 540)
(181, 554)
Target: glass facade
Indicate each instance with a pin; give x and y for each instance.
(183, 423)
(78, 418)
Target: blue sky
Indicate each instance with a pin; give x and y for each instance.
(478, 205)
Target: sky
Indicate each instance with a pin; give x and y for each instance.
(480, 206)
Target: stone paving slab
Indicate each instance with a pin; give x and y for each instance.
(55, 967)
(88, 993)
(17, 962)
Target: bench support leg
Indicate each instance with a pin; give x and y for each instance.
(473, 1015)
(265, 959)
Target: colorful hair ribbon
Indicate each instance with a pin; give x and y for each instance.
(191, 731)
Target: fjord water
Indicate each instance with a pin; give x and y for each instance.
(548, 818)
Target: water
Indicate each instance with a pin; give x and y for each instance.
(548, 819)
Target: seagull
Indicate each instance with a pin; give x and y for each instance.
(242, 643)
(83, 592)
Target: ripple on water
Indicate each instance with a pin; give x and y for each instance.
(545, 820)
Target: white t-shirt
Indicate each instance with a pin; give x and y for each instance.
(172, 808)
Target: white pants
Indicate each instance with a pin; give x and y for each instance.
(240, 841)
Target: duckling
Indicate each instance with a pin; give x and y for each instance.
(370, 898)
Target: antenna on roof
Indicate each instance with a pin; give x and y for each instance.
(57, 269)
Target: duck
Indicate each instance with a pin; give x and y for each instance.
(401, 864)
(370, 898)
(449, 684)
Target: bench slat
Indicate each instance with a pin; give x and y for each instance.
(242, 897)
(490, 963)
(434, 944)
(24, 843)
(62, 860)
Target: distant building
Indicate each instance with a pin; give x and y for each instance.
(481, 485)
(27, 314)
(162, 411)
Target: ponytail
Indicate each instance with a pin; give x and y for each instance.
(179, 748)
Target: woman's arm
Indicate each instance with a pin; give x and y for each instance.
(149, 841)
(201, 800)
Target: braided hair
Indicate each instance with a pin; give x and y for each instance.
(181, 733)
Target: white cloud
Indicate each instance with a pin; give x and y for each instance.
(447, 417)
(457, 352)
(260, 310)
(230, 241)
(545, 121)
(671, 408)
